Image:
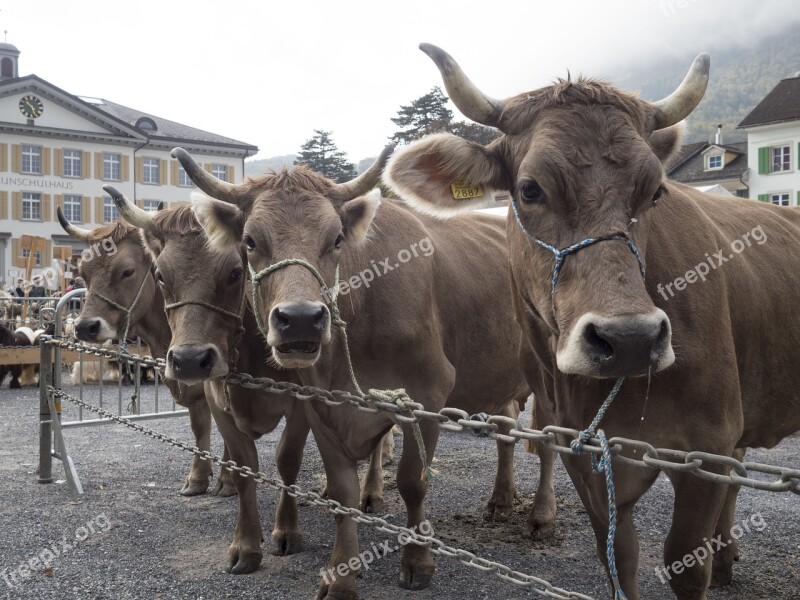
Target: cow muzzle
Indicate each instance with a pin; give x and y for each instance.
(617, 346)
(93, 329)
(195, 363)
(297, 332)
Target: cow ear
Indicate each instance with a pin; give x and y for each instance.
(357, 216)
(222, 222)
(666, 142)
(444, 175)
(152, 241)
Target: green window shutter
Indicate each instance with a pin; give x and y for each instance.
(798, 197)
(763, 197)
(798, 158)
(763, 160)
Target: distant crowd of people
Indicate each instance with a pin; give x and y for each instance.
(38, 290)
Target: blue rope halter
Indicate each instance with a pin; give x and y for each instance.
(599, 464)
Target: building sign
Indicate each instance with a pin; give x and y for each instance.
(37, 182)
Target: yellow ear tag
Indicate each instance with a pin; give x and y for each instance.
(465, 191)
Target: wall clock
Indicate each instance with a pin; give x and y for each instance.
(31, 107)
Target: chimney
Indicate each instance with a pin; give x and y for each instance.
(718, 137)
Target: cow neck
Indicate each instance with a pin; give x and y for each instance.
(153, 327)
(123, 345)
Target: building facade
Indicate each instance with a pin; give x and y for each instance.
(57, 149)
(773, 138)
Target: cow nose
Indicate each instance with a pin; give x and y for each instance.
(627, 345)
(300, 321)
(87, 329)
(191, 363)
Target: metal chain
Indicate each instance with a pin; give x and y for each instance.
(453, 419)
(404, 534)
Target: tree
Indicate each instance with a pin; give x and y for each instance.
(475, 132)
(425, 115)
(321, 154)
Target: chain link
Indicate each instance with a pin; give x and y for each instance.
(783, 479)
(404, 534)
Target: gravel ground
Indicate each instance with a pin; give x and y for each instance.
(149, 542)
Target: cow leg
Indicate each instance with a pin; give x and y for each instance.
(14, 383)
(501, 503)
(244, 553)
(200, 473)
(722, 564)
(286, 536)
(372, 491)
(417, 565)
(224, 487)
(387, 456)
(541, 523)
(687, 550)
(342, 476)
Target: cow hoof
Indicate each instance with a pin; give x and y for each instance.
(194, 488)
(14, 385)
(539, 529)
(371, 503)
(721, 574)
(497, 513)
(285, 543)
(416, 576)
(244, 563)
(224, 489)
(325, 593)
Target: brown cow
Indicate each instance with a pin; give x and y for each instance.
(421, 326)
(585, 161)
(119, 269)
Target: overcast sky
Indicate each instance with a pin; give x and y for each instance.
(269, 73)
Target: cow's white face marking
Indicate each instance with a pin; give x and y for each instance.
(104, 334)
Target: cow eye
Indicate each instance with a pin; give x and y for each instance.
(531, 192)
(338, 243)
(659, 192)
(235, 275)
(127, 273)
(250, 243)
(159, 278)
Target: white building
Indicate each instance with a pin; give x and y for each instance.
(57, 149)
(773, 138)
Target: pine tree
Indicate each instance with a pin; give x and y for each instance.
(475, 132)
(425, 115)
(321, 154)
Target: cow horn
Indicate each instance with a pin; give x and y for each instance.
(76, 232)
(369, 178)
(677, 106)
(469, 99)
(128, 210)
(214, 187)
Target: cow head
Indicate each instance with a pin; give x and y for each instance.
(582, 161)
(115, 267)
(203, 287)
(295, 214)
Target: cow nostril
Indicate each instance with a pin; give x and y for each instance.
(208, 360)
(280, 320)
(94, 328)
(660, 341)
(604, 350)
(176, 365)
(320, 319)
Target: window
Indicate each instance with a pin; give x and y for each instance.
(150, 173)
(779, 159)
(714, 162)
(781, 198)
(151, 205)
(111, 166)
(37, 256)
(31, 206)
(220, 172)
(72, 163)
(110, 210)
(31, 159)
(183, 177)
(72, 209)
(7, 68)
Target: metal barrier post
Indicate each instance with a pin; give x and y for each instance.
(45, 423)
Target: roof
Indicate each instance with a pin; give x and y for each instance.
(9, 47)
(780, 105)
(689, 165)
(165, 129)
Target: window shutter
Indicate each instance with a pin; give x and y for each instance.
(763, 160)
(85, 216)
(173, 169)
(207, 167)
(16, 158)
(162, 171)
(98, 210)
(59, 202)
(139, 168)
(16, 205)
(3, 157)
(3, 205)
(98, 165)
(763, 197)
(125, 168)
(798, 155)
(229, 177)
(86, 161)
(47, 259)
(139, 203)
(58, 167)
(47, 212)
(46, 156)
(16, 250)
